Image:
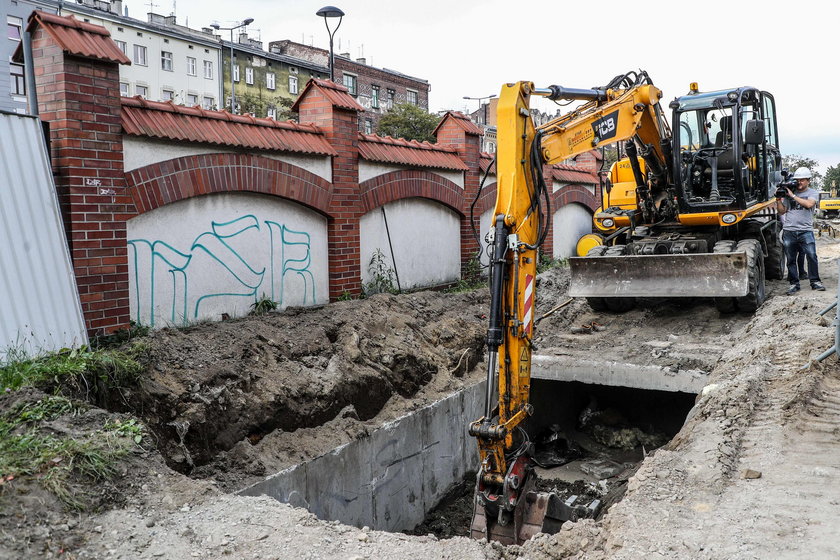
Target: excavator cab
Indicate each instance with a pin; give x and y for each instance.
(725, 150)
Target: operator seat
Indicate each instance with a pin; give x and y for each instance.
(725, 158)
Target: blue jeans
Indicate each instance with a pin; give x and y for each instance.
(796, 242)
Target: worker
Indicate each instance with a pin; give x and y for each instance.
(798, 230)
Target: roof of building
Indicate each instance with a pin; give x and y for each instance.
(338, 95)
(462, 121)
(386, 149)
(165, 120)
(76, 37)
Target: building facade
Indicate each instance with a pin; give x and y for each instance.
(12, 74)
(376, 89)
(169, 62)
(266, 84)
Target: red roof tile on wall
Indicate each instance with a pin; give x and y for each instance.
(573, 174)
(462, 121)
(165, 120)
(78, 38)
(485, 160)
(409, 152)
(338, 95)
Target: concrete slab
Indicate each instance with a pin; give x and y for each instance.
(617, 374)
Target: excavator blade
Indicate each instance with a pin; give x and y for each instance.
(686, 275)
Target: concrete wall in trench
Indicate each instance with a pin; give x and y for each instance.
(201, 257)
(389, 480)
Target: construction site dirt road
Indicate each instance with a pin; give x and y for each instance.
(750, 475)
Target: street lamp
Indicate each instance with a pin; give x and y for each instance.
(217, 27)
(480, 99)
(331, 12)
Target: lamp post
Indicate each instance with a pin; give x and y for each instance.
(480, 99)
(217, 27)
(331, 12)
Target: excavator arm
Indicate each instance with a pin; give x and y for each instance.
(507, 508)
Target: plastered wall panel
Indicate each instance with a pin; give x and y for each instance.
(209, 256)
(426, 241)
(570, 223)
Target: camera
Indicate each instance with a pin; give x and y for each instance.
(791, 184)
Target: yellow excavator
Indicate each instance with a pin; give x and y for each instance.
(687, 214)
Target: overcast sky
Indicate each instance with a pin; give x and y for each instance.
(471, 47)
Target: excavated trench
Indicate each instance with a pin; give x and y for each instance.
(416, 474)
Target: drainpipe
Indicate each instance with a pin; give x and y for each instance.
(29, 74)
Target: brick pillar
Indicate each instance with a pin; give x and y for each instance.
(452, 132)
(340, 122)
(80, 98)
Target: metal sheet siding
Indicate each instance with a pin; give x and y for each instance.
(40, 304)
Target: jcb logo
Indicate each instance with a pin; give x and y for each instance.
(605, 127)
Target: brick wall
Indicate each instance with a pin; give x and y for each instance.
(341, 128)
(80, 98)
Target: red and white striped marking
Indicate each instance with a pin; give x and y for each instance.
(528, 307)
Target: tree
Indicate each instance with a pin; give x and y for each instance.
(832, 179)
(794, 161)
(408, 121)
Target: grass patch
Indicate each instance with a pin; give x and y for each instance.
(471, 278)
(77, 368)
(26, 450)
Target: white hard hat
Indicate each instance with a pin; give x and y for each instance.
(802, 173)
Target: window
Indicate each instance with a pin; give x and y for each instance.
(368, 126)
(122, 45)
(166, 61)
(374, 97)
(192, 99)
(272, 113)
(236, 73)
(18, 85)
(293, 84)
(142, 91)
(124, 89)
(208, 103)
(208, 69)
(350, 83)
(411, 95)
(389, 103)
(168, 95)
(249, 76)
(270, 80)
(15, 25)
(140, 55)
(191, 66)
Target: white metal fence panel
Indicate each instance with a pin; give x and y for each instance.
(39, 303)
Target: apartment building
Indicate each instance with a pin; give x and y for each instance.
(264, 83)
(12, 75)
(169, 62)
(376, 89)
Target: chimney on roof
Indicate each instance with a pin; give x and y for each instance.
(117, 7)
(169, 20)
(243, 38)
(361, 60)
(155, 18)
(345, 54)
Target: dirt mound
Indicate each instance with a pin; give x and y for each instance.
(244, 398)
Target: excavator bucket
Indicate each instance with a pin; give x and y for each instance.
(678, 275)
(536, 512)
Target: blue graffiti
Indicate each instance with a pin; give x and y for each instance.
(289, 252)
